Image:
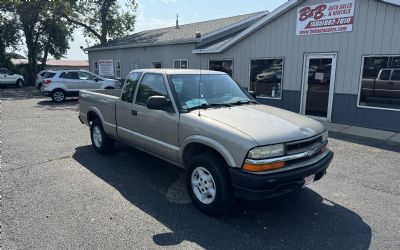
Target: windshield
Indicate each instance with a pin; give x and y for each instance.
(203, 91)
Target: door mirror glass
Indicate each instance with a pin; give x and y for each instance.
(158, 103)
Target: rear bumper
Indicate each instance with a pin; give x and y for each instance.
(257, 187)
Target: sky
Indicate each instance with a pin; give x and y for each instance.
(153, 14)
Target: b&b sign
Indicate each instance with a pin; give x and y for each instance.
(325, 18)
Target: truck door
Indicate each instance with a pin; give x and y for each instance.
(382, 88)
(124, 107)
(394, 85)
(155, 130)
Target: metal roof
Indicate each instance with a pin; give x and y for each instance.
(184, 34)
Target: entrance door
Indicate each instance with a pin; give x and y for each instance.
(318, 85)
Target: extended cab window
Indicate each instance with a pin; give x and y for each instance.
(151, 85)
(385, 75)
(130, 87)
(396, 75)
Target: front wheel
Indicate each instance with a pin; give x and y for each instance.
(209, 185)
(20, 83)
(100, 141)
(58, 95)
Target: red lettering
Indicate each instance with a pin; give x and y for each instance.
(317, 13)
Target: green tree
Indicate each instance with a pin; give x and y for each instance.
(101, 19)
(43, 31)
(9, 39)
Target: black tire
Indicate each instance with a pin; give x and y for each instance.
(109, 88)
(20, 83)
(217, 168)
(106, 145)
(58, 95)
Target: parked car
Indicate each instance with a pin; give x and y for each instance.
(7, 77)
(203, 121)
(60, 84)
(386, 85)
(39, 78)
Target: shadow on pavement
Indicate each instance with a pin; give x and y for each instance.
(14, 93)
(365, 141)
(68, 104)
(300, 221)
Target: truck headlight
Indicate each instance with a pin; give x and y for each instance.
(325, 136)
(267, 152)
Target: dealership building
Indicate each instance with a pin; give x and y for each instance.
(337, 61)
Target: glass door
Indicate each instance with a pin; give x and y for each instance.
(318, 85)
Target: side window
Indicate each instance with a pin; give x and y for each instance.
(130, 87)
(385, 75)
(64, 75)
(84, 76)
(396, 75)
(151, 85)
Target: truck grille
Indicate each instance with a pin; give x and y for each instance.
(303, 145)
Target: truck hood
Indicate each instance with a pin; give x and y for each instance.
(266, 124)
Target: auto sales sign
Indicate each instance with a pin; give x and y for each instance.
(325, 18)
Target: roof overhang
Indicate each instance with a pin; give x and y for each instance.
(263, 21)
(393, 2)
(194, 40)
(141, 45)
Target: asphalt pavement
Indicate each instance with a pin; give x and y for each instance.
(57, 193)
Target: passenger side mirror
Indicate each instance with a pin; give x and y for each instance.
(158, 103)
(253, 94)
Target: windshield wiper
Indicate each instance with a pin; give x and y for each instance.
(211, 105)
(243, 102)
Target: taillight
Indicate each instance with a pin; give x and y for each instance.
(47, 81)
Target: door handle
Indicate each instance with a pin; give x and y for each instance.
(134, 112)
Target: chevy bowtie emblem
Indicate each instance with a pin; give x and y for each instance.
(312, 152)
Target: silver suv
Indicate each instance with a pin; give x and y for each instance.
(7, 77)
(60, 84)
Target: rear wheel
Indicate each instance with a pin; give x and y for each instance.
(209, 185)
(20, 83)
(58, 95)
(100, 141)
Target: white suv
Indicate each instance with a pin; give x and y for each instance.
(7, 77)
(60, 84)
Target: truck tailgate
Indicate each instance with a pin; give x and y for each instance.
(102, 103)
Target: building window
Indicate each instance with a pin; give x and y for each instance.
(135, 65)
(221, 65)
(266, 77)
(96, 67)
(156, 65)
(380, 82)
(117, 64)
(181, 64)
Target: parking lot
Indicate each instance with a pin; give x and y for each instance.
(58, 193)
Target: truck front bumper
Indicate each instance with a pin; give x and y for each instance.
(257, 187)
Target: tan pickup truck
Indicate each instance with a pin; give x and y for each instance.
(203, 121)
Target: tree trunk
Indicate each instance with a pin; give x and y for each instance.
(44, 59)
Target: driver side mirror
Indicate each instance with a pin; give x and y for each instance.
(158, 103)
(11, 73)
(96, 79)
